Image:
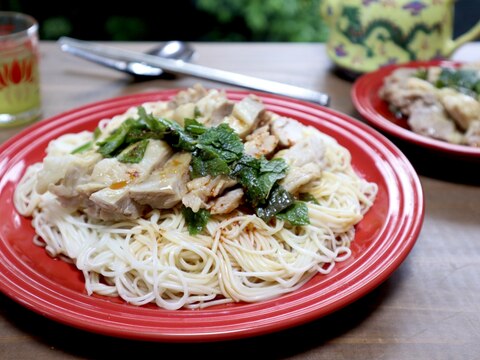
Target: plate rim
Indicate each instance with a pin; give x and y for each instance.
(366, 84)
(408, 235)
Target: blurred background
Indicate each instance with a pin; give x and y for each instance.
(193, 20)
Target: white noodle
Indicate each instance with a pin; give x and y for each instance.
(238, 258)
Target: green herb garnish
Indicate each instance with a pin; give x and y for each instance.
(465, 81)
(82, 148)
(193, 127)
(196, 112)
(222, 142)
(307, 197)
(196, 221)
(296, 214)
(258, 176)
(88, 145)
(421, 74)
(215, 151)
(134, 153)
(116, 140)
(201, 166)
(279, 200)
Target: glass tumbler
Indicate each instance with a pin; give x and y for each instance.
(19, 75)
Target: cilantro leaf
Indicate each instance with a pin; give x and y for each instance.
(421, 73)
(270, 172)
(463, 80)
(258, 176)
(196, 221)
(296, 214)
(88, 145)
(214, 167)
(176, 136)
(279, 200)
(196, 112)
(216, 149)
(82, 148)
(307, 197)
(138, 133)
(96, 133)
(151, 122)
(193, 127)
(222, 141)
(116, 139)
(134, 153)
(145, 127)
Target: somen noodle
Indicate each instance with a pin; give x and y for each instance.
(237, 256)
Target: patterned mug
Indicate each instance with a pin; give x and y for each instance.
(19, 77)
(367, 34)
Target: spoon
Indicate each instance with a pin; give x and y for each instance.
(175, 50)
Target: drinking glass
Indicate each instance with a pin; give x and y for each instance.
(19, 75)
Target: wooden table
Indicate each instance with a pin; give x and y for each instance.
(428, 309)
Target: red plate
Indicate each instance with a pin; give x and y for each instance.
(375, 111)
(55, 289)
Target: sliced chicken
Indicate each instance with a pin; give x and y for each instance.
(218, 115)
(55, 168)
(393, 83)
(67, 143)
(113, 204)
(226, 203)
(210, 104)
(245, 115)
(108, 187)
(462, 108)
(288, 131)
(77, 173)
(157, 108)
(111, 172)
(210, 110)
(310, 149)
(110, 125)
(399, 76)
(433, 73)
(261, 142)
(472, 136)
(401, 90)
(472, 66)
(182, 112)
(301, 175)
(305, 160)
(200, 190)
(442, 114)
(165, 187)
(432, 121)
(156, 154)
(266, 118)
(189, 95)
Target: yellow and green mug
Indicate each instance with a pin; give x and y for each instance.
(368, 34)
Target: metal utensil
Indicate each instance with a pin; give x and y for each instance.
(176, 50)
(94, 52)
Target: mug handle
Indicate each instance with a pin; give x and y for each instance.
(454, 44)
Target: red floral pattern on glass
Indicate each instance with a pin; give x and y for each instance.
(16, 72)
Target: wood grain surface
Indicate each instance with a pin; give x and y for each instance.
(428, 309)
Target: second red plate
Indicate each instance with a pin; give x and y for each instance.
(376, 112)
